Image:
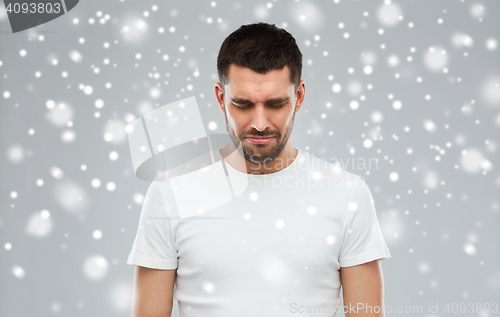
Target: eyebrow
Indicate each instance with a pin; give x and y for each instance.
(269, 101)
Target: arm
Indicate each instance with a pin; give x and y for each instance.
(363, 286)
(153, 292)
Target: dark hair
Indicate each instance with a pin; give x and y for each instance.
(262, 47)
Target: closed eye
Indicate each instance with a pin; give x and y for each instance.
(244, 106)
(239, 107)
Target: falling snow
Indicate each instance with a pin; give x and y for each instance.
(412, 88)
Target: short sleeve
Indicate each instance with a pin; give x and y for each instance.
(154, 244)
(362, 237)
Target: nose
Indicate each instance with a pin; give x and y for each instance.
(260, 130)
(259, 119)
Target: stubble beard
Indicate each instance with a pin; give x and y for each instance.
(260, 157)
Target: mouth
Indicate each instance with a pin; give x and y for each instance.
(260, 140)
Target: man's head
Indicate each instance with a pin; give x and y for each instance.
(260, 90)
(261, 47)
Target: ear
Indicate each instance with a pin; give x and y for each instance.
(219, 95)
(300, 95)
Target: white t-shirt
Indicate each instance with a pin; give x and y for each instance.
(274, 250)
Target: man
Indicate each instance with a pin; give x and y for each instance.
(302, 229)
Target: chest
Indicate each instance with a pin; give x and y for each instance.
(275, 244)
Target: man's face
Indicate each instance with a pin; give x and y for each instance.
(260, 105)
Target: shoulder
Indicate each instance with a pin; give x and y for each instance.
(160, 192)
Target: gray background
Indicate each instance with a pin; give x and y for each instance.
(440, 217)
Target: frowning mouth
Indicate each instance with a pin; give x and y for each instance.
(260, 140)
